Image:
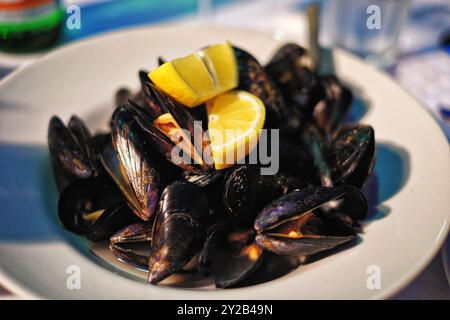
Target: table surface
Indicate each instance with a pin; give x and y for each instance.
(285, 20)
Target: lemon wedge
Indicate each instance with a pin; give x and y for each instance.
(198, 77)
(235, 120)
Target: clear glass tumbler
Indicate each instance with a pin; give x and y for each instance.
(368, 28)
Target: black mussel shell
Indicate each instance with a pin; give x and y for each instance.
(82, 201)
(68, 153)
(303, 236)
(112, 166)
(304, 246)
(335, 104)
(316, 144)
(139, 176)
(81, 133)
(201, 160)
(298, 202)
(230, 254)
(352, 154)
(161, 60)
(99, 140)
(211, 184)
(295, 160)
(246, 191)
(206, 256)
(254, 79)
(179, 229)
(114, 218)
(203, 179)
(272, 266)
(122, 96)
(311, 220)
(291, 68)
(338, 222)
(143, 78)
(127, 244)
(353, 203)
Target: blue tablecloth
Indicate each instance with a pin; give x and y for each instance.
(103, 16)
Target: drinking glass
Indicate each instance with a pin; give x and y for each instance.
(368, 28)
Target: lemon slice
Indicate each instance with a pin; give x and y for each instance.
(235, 120)
(198, 77)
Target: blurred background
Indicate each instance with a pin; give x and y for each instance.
(409, 39)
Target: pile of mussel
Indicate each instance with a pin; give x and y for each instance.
(232, 225)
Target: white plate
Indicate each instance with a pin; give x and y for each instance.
(411, 189)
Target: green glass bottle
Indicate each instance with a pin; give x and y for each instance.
(29, 25)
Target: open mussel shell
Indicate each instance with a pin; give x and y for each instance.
(352, 154)
(135, 172)
(230, 254)
(83, 202)
(112, 219)
(298, 202)
(130, 243)
(299, 223)
(304, 246)
(183, 142)
(69, 152)
(247, 191)
(179, 229)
